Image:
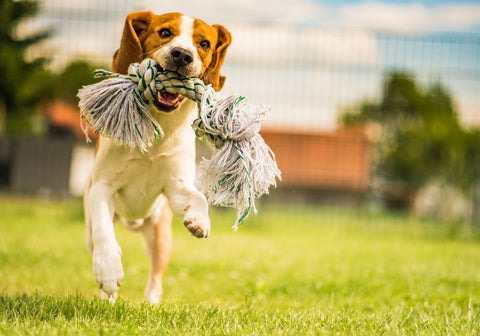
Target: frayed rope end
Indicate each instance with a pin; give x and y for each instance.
(113, 107)
(242, 169)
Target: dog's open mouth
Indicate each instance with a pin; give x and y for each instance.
(167, 102)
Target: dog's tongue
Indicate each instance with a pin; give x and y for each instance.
(169, 98)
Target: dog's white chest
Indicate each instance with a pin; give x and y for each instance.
(141, 183)
(139, 178)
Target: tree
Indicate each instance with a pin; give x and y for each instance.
(73, 77)
(421, 138)
(24, 83)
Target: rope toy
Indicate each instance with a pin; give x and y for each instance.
(242, 169)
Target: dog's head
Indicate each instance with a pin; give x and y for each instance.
(176, 42)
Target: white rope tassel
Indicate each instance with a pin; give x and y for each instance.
(240, 171)
(115, 108)
(244, 167)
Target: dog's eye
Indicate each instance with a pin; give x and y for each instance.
(205, 44)
(165, 33)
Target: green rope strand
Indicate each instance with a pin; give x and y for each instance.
(242, 169)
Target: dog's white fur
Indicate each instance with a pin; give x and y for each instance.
(134, 187)
(184, 41)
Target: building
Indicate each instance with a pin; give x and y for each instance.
(331, 167)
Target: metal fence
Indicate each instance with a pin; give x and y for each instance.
(307, 74)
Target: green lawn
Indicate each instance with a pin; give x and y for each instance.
(289, 270)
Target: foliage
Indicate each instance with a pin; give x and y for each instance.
(287, 271)
(421, 138)
(73, 77)
(24, 83)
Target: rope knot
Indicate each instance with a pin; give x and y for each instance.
(144, 74)
(229, 118)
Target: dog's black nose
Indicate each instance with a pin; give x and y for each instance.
(181, 56)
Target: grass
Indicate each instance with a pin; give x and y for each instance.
(291, 270)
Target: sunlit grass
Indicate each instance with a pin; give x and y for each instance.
(289, 270)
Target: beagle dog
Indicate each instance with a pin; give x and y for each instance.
(145, 189)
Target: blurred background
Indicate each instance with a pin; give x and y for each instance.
(374, 104)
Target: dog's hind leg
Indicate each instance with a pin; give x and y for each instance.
(157, 230)
(88, 223)
(88, 231)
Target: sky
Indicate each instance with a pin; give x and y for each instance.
(338, 51)
(397, 15)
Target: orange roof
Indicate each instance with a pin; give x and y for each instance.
(328, 160)
(66, 116)
(333, 160)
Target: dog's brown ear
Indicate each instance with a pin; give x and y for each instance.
(131, 51)
(212, 74)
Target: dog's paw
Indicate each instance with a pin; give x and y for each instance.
(112, 298)
(198, 225)
(154, 294)
(107, 268)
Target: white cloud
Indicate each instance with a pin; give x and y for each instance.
(292, 45)
(458, 16)
(403, 18)
(304, 72)
(301, 73)
(408, 18)
(78, 5)
(249, 10)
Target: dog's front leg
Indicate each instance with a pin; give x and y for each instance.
(107, 264)
(186, 200)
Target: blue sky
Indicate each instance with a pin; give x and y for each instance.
(360, 40)
(394, 15)
(429, 3)
(426, 2)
